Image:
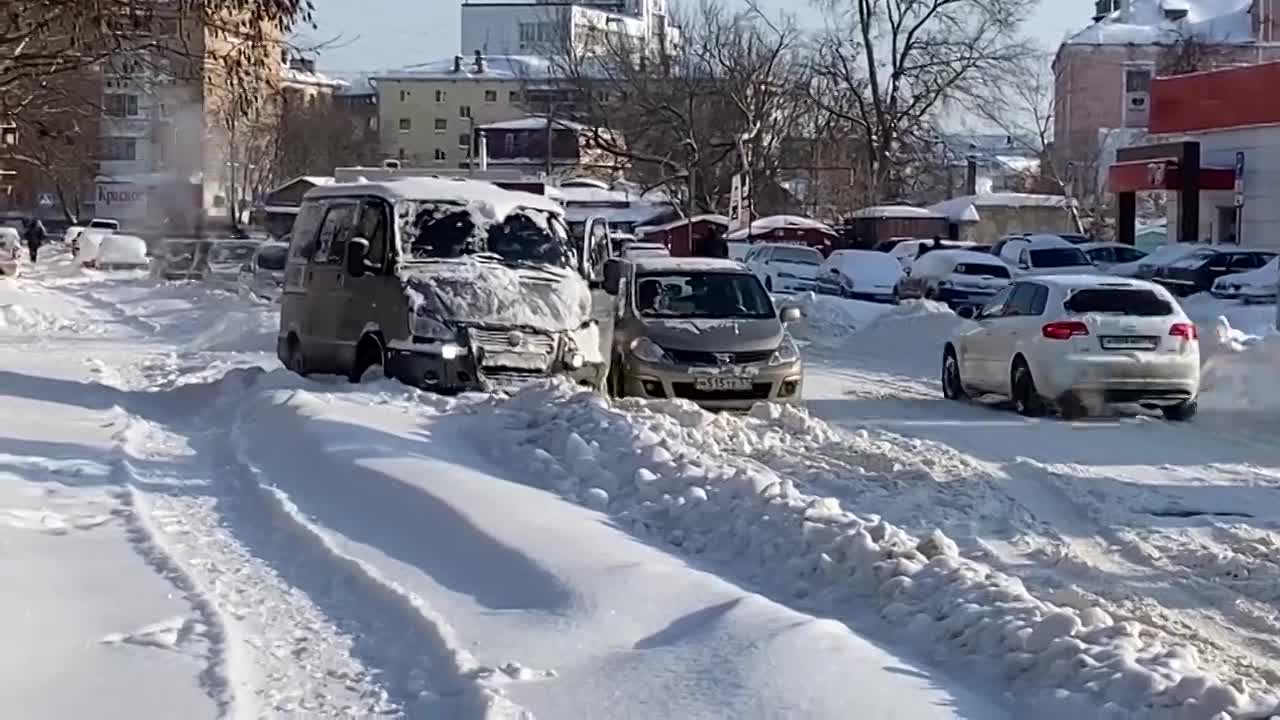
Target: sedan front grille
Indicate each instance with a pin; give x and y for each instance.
(699, 357)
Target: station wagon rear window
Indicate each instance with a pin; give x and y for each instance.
(1138, 302)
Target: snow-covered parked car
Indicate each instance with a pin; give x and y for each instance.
(1046, 255)
(1107, 255)
(180, 259)
(224, 260)
(1255, 286)
(702, 329)
(1078, 343)
(860, 274)
(783, 267)
(263, 275)
(959, 278)
(87, 245)
(122, 252)
(10, 252)
(1146, 268)
(446, 284)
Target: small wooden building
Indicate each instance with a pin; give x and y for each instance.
(280, 206)
(686, 237)
(787, 229)
(873, 225)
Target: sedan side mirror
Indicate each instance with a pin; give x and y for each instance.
(357, 251)
(790, 314)
(613, 276)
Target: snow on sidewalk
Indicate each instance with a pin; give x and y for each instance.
(675, 475)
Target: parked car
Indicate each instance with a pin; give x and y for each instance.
(86, 246)
(1078, 343)
(263, 275)
(701, 329)
(784, 268)
(448, 285)
(105, 224)
(1198, 271)
(1075, 238)
(1145, 268)
(860, 274)
(1255, 286)
(122, 252)
(1045, 255)
(10, 252)
(225, 258)
(997, 248)
(959, 278)
(644, 249)
(907, 252)
(180, 259)
(1106, 255)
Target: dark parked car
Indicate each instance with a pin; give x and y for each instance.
(1197, 271)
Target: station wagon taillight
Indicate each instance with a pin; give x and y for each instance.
(1064, 330)
(1186, 331)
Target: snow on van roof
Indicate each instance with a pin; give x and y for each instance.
(660, 263)
(500, 202)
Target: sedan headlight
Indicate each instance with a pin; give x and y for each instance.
(648, 350)
(945, 284)
(786, 353)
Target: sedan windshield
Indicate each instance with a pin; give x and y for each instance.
(434, 231)
(702, 295)
(1058, 257)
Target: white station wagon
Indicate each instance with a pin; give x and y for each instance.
(1078, 343)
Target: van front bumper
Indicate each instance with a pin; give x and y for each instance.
(431, 370)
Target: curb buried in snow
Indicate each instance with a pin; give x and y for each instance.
(669, 470)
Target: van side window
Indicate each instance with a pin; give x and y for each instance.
(375, 218)
(305, 228)
(335, 231)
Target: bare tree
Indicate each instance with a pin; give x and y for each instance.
(1191, 53)
(686, 118)
(41, 40)
(317, 134)
(58, 147)
(886, 66)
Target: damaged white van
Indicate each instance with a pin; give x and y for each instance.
(446, 284)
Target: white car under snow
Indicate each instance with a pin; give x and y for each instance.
(860, 274)
(1255, 286)
(783, 267)
(10, 251)
(1145, 268)
(1078, 343)
(121, 252)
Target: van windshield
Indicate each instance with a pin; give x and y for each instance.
(437, 231)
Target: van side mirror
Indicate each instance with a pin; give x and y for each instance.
(790, 314)
(613, 276)
(357, 251)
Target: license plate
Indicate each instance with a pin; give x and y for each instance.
(1129, 343)
(714, 384)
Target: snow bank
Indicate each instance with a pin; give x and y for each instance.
(25, 320)
(677, 475)
(830, 320)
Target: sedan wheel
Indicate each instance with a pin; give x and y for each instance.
(952, 385)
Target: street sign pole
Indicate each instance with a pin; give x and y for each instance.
(1239, 197)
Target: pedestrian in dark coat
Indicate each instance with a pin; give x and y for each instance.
(34, 234)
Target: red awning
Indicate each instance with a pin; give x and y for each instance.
(1143, 175)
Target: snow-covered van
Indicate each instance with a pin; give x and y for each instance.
(10, 251)
(447, 284)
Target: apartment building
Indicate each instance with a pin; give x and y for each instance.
(428, 114)
(1103, 73)
(546, 27)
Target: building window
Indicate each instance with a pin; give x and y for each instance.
(441, 124)
(400, 154)
(464, 111)
(120, 105)
(464, 141)
(491, 96)
(441, 95)
(117, 149)
(513, 97)
(1137, 80)
(441, 155)
(406, 124)
(404, 95)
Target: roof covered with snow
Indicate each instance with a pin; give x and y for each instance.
(501, 202)
(681, 222)
(660, 263)
(495, 67)
(1144, 22)
(894, 211)
(300, 77)
(532, 122)
(777, 222)
(956, 208)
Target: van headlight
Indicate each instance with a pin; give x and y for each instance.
(786, 353)
(649, 351)
(422, 324)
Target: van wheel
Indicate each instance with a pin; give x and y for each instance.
(295, 361)
(369, 355)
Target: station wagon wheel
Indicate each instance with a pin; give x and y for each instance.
(952, 385)
(1026, 399)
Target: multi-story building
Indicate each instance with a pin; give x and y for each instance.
(427, 114)
(547, 27)
(1103, 73)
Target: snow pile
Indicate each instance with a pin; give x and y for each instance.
(830, 320)
(672, 473)
(250, 328)
(24, 320)
(1239, 371)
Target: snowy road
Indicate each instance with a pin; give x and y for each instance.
(189, 532)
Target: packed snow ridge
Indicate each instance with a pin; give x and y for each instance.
(676, 474)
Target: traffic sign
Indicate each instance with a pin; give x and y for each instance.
(46, 200)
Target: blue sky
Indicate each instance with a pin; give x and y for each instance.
(383, 34)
